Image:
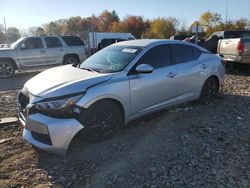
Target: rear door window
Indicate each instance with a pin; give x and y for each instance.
(183, 53)
(52, 42)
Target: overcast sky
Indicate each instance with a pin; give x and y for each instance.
(26, 13)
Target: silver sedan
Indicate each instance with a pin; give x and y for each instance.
(122, 82)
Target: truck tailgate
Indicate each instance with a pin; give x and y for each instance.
(228, 46)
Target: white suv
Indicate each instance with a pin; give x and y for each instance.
(39, 52)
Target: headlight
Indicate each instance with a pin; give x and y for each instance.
(60, 104)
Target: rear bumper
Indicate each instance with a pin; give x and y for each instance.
(237, 59)
(50, 134)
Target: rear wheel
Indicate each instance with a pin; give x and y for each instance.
(7, 69)
(209, 91)
(101, 121)
(71, 60)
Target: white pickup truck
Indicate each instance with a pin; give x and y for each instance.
(235, 50)
(40, 52)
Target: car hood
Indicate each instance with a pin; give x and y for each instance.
(63, 80)
(6, 51)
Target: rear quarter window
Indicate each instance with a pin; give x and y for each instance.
(72, 41)
(196, 52)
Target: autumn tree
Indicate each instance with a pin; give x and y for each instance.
(135, 25)
(106, 19)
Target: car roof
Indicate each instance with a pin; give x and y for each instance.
(149, 42)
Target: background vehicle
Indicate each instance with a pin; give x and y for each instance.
(212, 42)
(122, 82)
(39, 52)
(235, 50)
(179, 37)
(106, 42)
(95, 38)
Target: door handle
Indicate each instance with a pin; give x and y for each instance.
(171, 74)
(61, 50)
(204, 66)
(42, 51)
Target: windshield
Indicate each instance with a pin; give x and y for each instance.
(111, 59)
(237, 34)
(15, 44)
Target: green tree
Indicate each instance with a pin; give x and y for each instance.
(209, 21)
(2, 35)
(74, 25)
(163, 28)
(119, 27)
(40, 31)
(12, 34)
(52, 28)
(242, 24)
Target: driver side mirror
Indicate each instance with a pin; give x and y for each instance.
(23, 46)
(144, 68)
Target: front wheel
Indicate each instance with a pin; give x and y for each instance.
(7, 69)
(101, 121)
(209, 90)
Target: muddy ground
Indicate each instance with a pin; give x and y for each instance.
(191, 145)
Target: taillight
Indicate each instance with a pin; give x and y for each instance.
(223, 62)
(218, 47)
(240, 47)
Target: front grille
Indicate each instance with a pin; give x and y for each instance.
(44, 138)
(23, 100)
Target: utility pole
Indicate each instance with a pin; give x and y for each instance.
(5, 30)
(226, 14)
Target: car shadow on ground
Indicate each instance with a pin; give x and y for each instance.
(138, 141)
(239, 70)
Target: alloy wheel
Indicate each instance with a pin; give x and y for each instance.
(6, 70)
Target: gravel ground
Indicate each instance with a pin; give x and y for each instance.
(190, 145)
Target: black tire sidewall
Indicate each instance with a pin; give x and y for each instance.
(71, 57)
(203, 99)
(87, 133)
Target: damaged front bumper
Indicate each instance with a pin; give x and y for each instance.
(50, 134)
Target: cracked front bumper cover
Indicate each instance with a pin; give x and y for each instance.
(60, 132)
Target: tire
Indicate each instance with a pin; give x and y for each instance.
(71, 60)
(209, 91)
(101, 121)
(7, 69)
